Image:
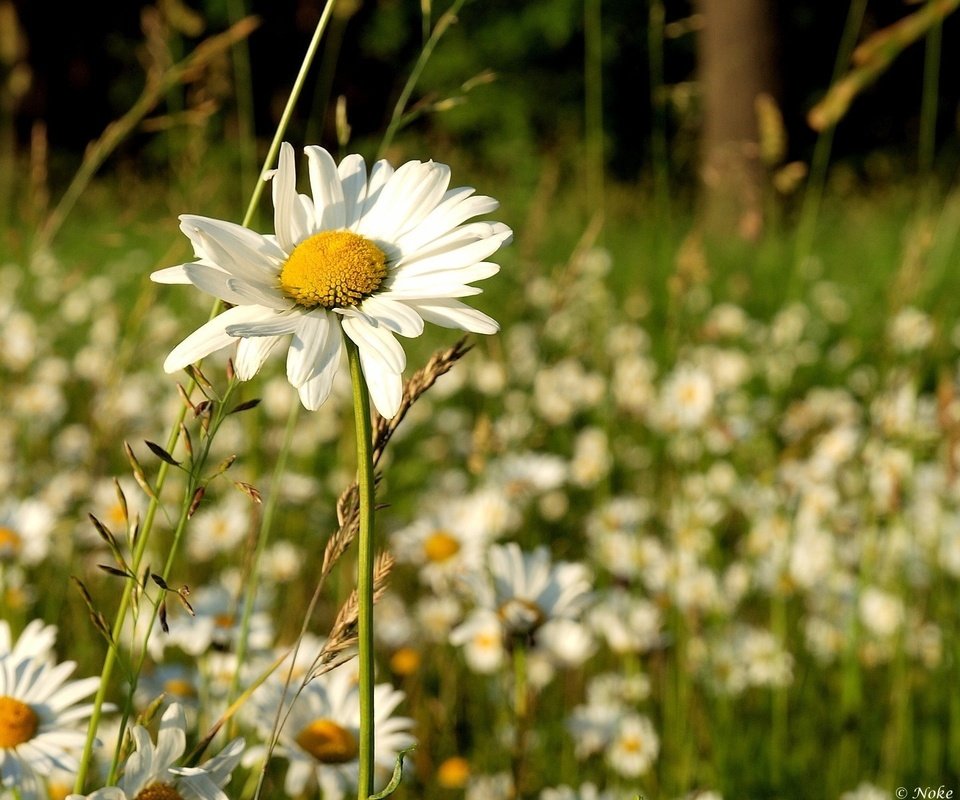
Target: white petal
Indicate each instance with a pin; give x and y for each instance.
(385, 385)
(393, 315)
(215, 281)
(455, 239)
(456, 257)
(409, 196)
(376, 340)
(289, 220)
(252, 352)
(379, 175)
(316, 390)
(353, 178)
(270, 323)
(311, 348)
(453, 284)
(171, 738)
(458, 206)
(170, 275)
(210, 337)
(449, 313)
(327, 190)
(236, 249)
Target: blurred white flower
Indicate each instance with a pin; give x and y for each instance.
(686, 399)
(219, 528)
(911, 330)
(25, 529)
(519, 595)
(881, 612)
(634, 746)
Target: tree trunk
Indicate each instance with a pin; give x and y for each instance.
(736, 64)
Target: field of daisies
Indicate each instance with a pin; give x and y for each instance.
(643, 516)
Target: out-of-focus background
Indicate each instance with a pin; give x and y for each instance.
(726, 383)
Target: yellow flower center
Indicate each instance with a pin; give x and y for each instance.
(18, 722)
(10, 542)
(453, 773)
(333, 269)
(59, 791)
(440, 545)
(224, 621)
(158, 791)
(179, 687)
(521, 615)
(405, 661)
(328, 742)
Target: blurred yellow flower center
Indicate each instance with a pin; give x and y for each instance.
(59, 791)
(10, 542)
(328, 742)
(521, 615)
(405, 661)
(333, 269)
(440, 545)
(179, 687)
(18, 722)
(453, 773)
(158, 791)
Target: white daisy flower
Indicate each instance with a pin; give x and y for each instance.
(320, 737)
(150, 770)
(528, 589)
(25, 529)
(526, 596)
(41, 726)
(635, 746)
(367, 257)
(36, 642)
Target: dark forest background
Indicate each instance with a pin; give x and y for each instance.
(85, 69)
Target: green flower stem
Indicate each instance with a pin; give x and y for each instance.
(365, 483)
(521, 710)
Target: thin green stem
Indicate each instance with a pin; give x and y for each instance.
(288, 110)
(521, 710)
(397, 117)
(780, 698)
(593, 102)
(926, 147)
(658, 132)
(813, 196)
(243, 94)
(365, 483)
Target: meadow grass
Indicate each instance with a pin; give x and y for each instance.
(871, 712)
